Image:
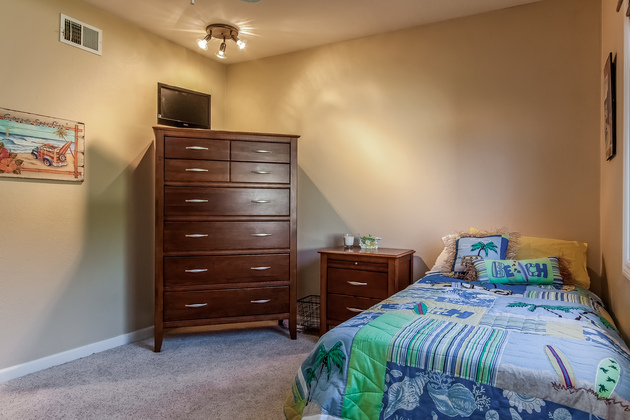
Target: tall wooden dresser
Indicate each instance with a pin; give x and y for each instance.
(225, 228)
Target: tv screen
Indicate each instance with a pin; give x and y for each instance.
(181, 107)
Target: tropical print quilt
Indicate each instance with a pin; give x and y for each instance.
(444, 349)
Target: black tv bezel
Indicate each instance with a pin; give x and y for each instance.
(179, 123)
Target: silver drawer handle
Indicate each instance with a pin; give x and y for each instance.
(196, 200)
(261, 234)
(196, 148)
(262, 151)
(356, 283)
(261, 172)
(196, 170)
(261, 201)
(260, 268)
(196, 270)
(196, 235)
(261, 301)
(354, 309)
(196, 305)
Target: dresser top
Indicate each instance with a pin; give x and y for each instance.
(378, 252)
(216, 134)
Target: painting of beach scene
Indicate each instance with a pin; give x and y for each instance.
(41, 147)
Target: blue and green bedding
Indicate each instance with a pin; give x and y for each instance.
(444, 348)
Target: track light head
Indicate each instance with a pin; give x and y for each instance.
(221, 52)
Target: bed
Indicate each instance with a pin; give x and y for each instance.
(447, 347)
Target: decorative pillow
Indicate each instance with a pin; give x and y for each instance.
(514, 237)
(451, 247)
(473, 248)
(531, 271)
(440, 263)
(572, 252)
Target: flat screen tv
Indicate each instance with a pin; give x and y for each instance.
(181, 107)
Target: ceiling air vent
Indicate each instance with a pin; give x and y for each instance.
(80, 35)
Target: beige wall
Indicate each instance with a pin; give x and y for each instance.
(487, 121)
(615, 287)
(77, 259)
(492, 120)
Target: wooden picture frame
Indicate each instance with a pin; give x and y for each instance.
(610, 109)
(41, 147)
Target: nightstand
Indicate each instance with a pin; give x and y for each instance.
(352, 280)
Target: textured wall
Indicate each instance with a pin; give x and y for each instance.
(615, 286)
(487, 121)
(77, 259)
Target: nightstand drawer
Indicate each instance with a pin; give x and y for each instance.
(198, 201)
(372, 284)
(358, 264)
(275, 173)
(214, 236)
(341, 307)
(196, 170)
(179, 306)
(261, 152)
(190, 148)
(207, 270)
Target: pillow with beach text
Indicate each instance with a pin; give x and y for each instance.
(532, 271)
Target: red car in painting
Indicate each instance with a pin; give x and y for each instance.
(51, 155)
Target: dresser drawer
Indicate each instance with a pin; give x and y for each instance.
(180, 306)
(214, 236)
(370, 284)
(261, 152)
(198, 201)
(196, 170)
(275, 173)
(190, 148)
(341, 308)
(189, 271)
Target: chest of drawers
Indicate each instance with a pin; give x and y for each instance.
(225, 228)
(352, 280)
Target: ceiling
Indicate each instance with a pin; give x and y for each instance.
(273, 27)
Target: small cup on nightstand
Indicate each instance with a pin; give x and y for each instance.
(348, 240)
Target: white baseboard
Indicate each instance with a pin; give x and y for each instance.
(70, 355)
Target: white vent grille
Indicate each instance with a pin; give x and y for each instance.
(80, 35)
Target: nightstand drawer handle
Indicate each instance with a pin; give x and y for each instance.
(260, 268)
(196, 148)
(196, 170)
(261, 234)
(356, 283)
(261, 301)
(261, 172)
(196, 305)
(196, 270)
(196, 235)
(262, 151)
(196, 200)
(354, 309)
(261, 201)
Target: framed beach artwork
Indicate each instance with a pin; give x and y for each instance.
(40, 147)
(610, 141)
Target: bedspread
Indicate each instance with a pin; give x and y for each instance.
(444, 349)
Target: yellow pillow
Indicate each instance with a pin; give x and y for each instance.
(573, 252)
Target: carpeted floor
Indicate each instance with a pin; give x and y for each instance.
(228, 372)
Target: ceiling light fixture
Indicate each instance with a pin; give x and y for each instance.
(221, 31)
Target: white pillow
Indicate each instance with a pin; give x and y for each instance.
(441, 259)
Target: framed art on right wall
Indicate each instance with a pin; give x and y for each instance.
(610, 146)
